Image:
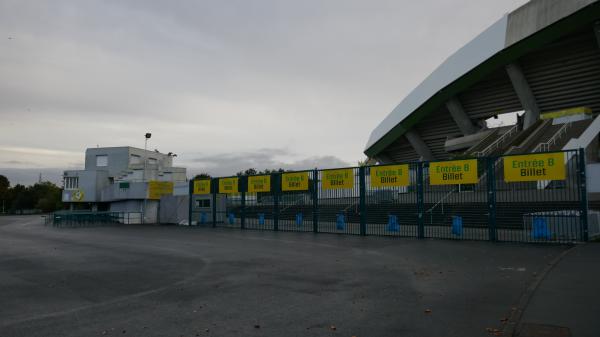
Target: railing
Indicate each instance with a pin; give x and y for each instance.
(90, 218)
(498, 142)
(440, 202)
(544, 147)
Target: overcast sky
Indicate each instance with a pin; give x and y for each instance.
(226, 85)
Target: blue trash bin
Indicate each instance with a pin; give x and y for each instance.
(261, 218)
(231, 218)
(393, 225)
(540, 228)
(457, 225)
(340, 222)
(202, 218)
(299, 219)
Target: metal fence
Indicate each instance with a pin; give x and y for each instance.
(91, 219)
(494, 204)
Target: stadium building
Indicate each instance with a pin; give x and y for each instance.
(541, 61)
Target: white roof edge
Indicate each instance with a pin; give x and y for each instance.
(482, 47)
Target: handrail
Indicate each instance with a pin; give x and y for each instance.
(440, 201)
(497, 142)
(544, 147)
(293, 204)
(350, 206)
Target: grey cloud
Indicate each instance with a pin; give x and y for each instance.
(220, 76)
(230, 163)
(31, 176)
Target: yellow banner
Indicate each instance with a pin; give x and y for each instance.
(158, 188)
(532, 167)
(386, 176)
(259, 184)
(453, 172)
(336, 179)
(297, 181)
(202, 186)
(228, 185)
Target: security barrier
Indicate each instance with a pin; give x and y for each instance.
(537, 197)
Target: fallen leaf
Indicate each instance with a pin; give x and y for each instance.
(428, 311)
(332, 327)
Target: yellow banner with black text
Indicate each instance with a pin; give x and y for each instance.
(453, 172)
(533, 167)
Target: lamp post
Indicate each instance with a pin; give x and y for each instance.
(147, 136)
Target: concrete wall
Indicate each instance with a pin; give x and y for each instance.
(113, 192)
(537, 15)
(119, 160)
(174, 209)
(90, 183)
(136, 207)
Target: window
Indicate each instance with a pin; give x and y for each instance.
(135, 159)
(102, 160)
(203, 203)
(152, 161)
(71, 183)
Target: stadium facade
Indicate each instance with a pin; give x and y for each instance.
(541, 60)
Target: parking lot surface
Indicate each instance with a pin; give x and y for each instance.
(182, 281)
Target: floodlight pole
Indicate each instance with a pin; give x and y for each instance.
(146, 137)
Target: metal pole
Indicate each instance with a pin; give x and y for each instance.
(362, 200)
(583, 194)
(144, 180)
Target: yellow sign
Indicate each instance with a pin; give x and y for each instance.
(336, 179)
(202, 186)
(259, 183)
(386, 176)
(566, 112)
(297, 181)
(532, 167)
(158, 188)
(228, 185)
(77, 195)
(453, 172)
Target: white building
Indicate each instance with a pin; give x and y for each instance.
(123, 179)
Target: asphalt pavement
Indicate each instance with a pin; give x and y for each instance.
(183, 281)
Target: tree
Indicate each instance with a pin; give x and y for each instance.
(4, 186)
(202, 175)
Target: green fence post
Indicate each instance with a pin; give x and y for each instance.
(420, 201)
(491, 192)
(362, 200)
(315, 198)
(276, 192)
(190, 197)
(583, 194)
(214, 185)
(243, 183)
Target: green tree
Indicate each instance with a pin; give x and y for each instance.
(202, 175)
(4, 192)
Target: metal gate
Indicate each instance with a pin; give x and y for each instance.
(414, 200)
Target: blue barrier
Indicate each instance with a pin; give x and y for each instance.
(540, 228)
(340, 222)
(393, 225)
(299, 219)
(457, 225)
